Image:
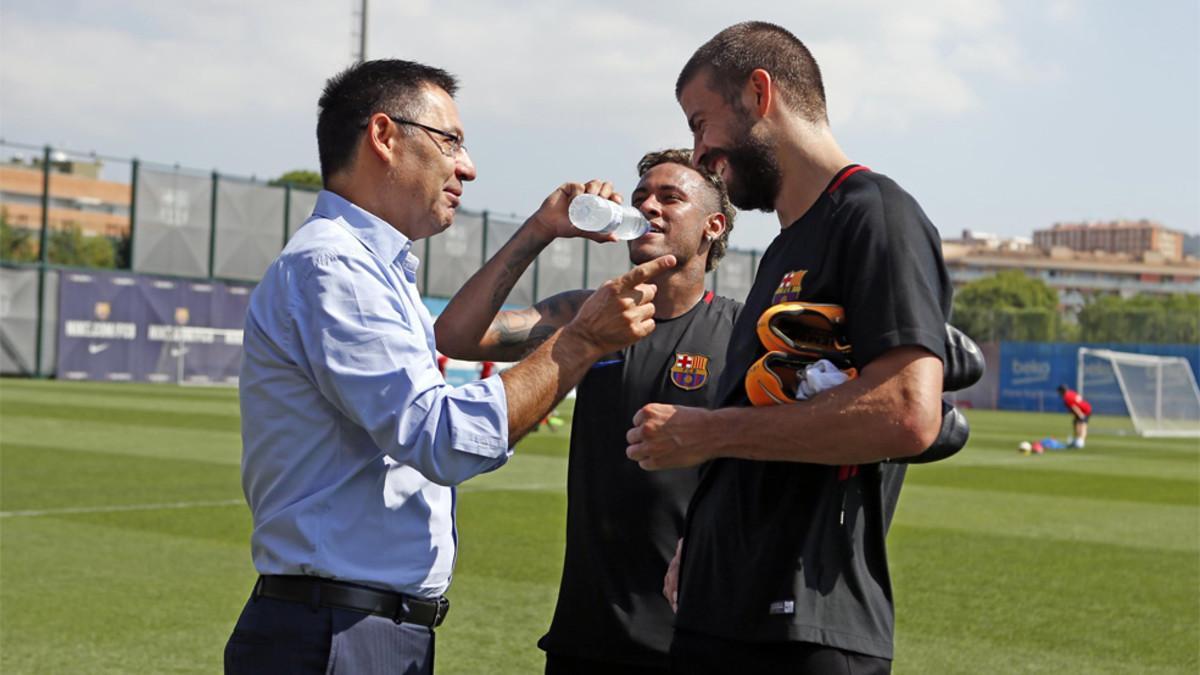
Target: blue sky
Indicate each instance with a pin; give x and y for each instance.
(998, 116)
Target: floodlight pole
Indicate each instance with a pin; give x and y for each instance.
(362, 33)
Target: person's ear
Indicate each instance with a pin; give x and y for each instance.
(760, 90)
(714, 227)
(379, 139)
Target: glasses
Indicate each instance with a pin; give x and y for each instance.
(455, 141)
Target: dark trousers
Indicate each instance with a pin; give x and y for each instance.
(561, 664)
(276, 636)
(696, 654)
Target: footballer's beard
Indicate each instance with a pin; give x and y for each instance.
(754, 174)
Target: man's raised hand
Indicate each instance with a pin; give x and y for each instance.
(551, 217)
(621, 311)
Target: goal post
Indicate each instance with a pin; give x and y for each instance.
(1145, 394)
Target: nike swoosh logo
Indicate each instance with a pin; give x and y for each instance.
(97, 348)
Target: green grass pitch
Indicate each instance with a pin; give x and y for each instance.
(124, 544)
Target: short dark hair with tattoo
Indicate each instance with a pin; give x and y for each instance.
(731, 55)
(718, 199)
(389, 86)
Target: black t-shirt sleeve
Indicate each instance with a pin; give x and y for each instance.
(895, 287)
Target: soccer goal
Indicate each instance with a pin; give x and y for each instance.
(1139, 393)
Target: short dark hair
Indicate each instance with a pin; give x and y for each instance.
(353, 95)
(731, 55)
(720, 199)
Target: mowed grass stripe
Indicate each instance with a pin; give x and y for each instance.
(115, 508)
(150, 403)
(1034, 481)
(212, 447)
(80, 597)
(494, 625)
(116, 389)
(1102, 604)
(1181, 468)
(1105, 447)
(1033, 425)
(516, 535)
(180, 418)
(1063, 519)
(924, 653)
(36, 478)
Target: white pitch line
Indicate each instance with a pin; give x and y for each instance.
(118, 508)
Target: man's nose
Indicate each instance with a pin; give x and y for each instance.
(464, 168)
(650, 207)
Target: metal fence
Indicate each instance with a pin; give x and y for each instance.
(61, 208)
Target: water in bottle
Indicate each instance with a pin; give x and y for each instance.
(597, 214)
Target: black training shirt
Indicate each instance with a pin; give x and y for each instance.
(787, 551)
(623, 522)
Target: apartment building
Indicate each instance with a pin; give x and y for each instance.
(1132, 237)
(1075, 275)
(78, 196)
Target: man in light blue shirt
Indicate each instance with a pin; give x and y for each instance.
(353, 441)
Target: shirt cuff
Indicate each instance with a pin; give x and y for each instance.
(483, 420)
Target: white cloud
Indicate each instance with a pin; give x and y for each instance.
(140, 63)
(137, 61)
(550, 90)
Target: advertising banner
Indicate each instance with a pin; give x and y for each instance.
(119, 327)
(1030, 372)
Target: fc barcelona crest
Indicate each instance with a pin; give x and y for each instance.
(789, 287)
(690, 371)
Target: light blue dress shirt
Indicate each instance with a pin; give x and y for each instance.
(352, 440)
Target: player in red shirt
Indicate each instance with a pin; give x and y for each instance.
(1081, 409)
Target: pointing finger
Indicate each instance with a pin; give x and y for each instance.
(645, 271)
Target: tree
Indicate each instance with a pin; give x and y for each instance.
(17, 244)
(65, 246)
(300, 178)
(1142, 318)
(69, 246)
(1007, 306)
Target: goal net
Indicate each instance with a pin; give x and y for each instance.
(1139, 393)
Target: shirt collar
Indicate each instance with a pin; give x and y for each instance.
(382, 239)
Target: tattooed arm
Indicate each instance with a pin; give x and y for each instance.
(472, 327)
(512, 334)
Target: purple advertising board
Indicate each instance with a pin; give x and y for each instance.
(116, 327)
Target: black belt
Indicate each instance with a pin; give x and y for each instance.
(316, 591)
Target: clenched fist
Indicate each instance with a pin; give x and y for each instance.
(669, 437)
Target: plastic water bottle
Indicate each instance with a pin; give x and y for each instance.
(597, 214)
